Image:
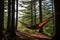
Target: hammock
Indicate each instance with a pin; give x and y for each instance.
(37, 26)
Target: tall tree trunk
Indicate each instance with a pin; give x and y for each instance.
(1, 18)
(34, 12)
(16, 14)
(9, 17)
(40, 15)
(57, 20)
(11, 20)
(12, 33)
(31, 12)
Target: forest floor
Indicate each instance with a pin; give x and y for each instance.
(29, 36)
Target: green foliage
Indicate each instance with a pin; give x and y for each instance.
(48, 29)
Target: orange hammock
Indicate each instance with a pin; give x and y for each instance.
(37, 26)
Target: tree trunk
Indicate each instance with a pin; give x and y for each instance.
(1, 18)
(9, 17)
(40, 15)
(57, 20)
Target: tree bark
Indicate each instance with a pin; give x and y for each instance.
(1, 18)
(40, 15)
(57, 19)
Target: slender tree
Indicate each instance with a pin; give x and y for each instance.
(16, 14)
(9, 17)
(40, 11)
